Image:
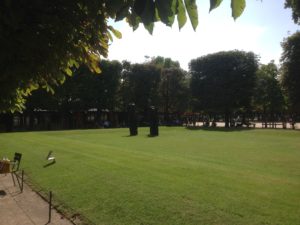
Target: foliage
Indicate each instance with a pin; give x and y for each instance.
(295, 6)
(223, 82)
(290, 70)
(173, 88)
(164, 63)
(41, 41)
(140, 85)
(84, 91)
(185, 176)
(268, 96)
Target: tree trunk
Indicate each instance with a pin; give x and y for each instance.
(31, 120)
(227, 117)
(8, 118)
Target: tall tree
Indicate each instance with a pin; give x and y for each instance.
(295, 6)
(173, 87)
(42, 40)
(173, 91)
(223, 82)
(290, 70)
(83, 91)
(268, 96)
(140, 84)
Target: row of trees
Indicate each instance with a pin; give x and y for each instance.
(160, 82)
(223, 83)
(41, 41)
(78, 33)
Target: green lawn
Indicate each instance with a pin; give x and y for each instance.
(190, 177)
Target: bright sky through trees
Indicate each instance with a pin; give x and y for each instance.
(260, 29)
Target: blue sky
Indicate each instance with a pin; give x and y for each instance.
(261, 28)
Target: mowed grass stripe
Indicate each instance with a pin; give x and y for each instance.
(181, 177)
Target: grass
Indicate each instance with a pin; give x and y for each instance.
(190, 177)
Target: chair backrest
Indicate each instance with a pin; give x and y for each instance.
(17, 161)
(49, 155)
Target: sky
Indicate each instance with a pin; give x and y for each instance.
(261, 28)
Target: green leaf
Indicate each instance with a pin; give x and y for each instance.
(166, 11)
(149, 27)
(96, 68)
(139, 7)
(73, 62)
(33, 86)
(133, 20)
(237, 7)
(214, 4)
(116, 33)
(181, 15)
(115, 6)
(68, 71)
(148, 15)
(191, 8)
(62, 78)
(109, 37)
(122, 13)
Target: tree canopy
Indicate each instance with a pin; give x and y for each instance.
(223, 82)
(41, 41)
(83, 91)
(291, 71)
(268, 96)
(295, 6)
(140, 83)
(173, 88)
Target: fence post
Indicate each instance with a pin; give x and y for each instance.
(50, 206)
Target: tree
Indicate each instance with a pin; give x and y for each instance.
(140, 84)
(290, 70)
(173, 87)
(295, 6)
(174, 92)
(164, 63)
(41, 41)
(82, 92)
(223, 82)
(268, 97)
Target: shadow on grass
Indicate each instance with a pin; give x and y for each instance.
(49, 164)
(221, 129)
(146, 136)
(130, 135)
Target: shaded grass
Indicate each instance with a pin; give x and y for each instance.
(181, 177)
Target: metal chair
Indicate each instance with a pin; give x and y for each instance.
(15, 164)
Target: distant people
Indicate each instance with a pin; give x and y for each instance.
(292, 123)
(232, 123)
(206, 122)
(106, 124)
(214, 123)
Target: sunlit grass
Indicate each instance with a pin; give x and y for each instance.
(190, 177)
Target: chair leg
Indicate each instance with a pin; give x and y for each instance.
(18, 180)
(12, 175)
